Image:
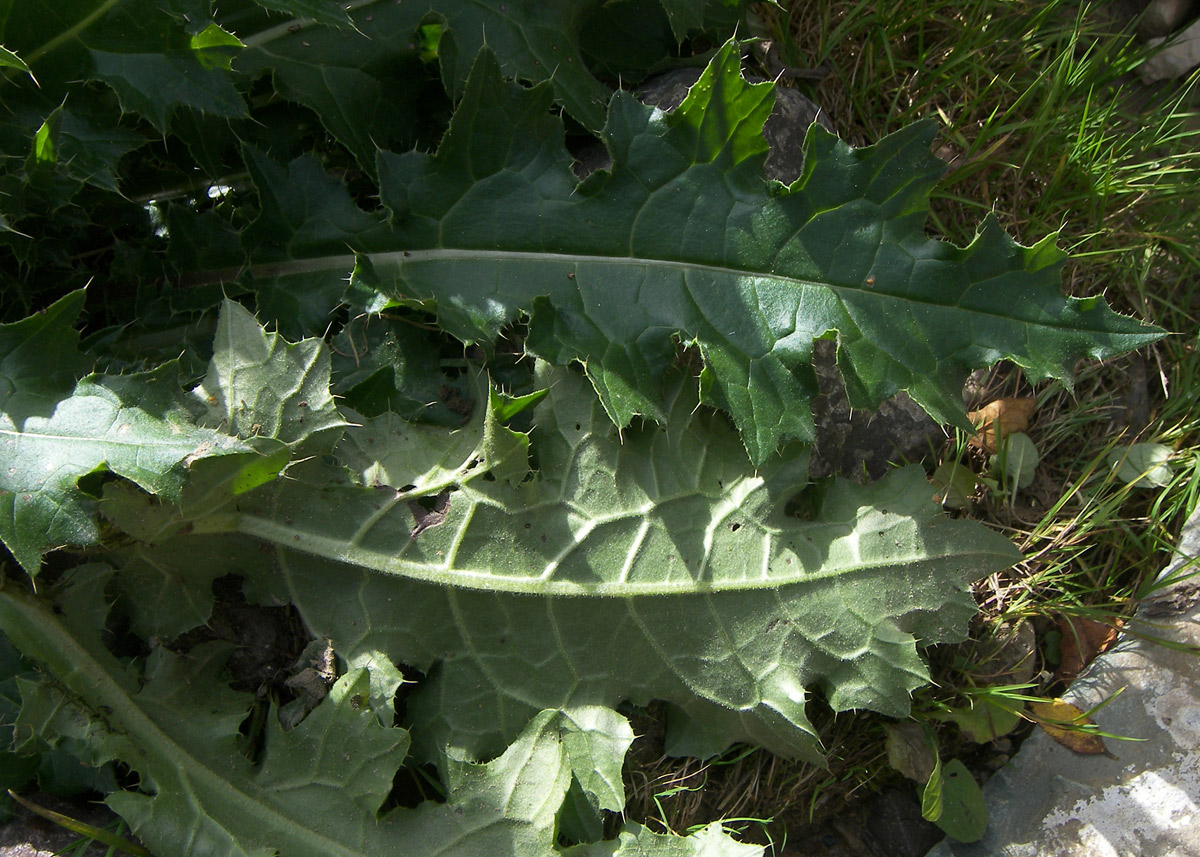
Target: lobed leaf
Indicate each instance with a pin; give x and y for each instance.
(40, 360)
(138, 426)
(537, 576)
(142, 50)
(636, 841)
(320, 787)
(258, 385)
(351, 78)
(653, 564)
(326, 12)
(683, 241)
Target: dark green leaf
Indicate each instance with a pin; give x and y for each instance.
(143, 50)
(75, 147)
(682, 242)
(8, 59)
(40, 360)
(964, 811)
(352, 79)
(303, 212)
(327, 12)
(393, 364)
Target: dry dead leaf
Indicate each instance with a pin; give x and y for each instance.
(1082, 640)
(999, 418)
(1062, 720)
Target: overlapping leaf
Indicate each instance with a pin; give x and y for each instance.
(40, 360)
(359, 81)
(352, 78)
(571, 567)
(69, 132)
(637, 841)
(657, 564)
(683, 241)
(259, 385)
(166, 59)
(142, 50)
(138, 426)
(320, 786)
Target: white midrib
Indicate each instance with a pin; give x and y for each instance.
(536, 583)
(102, 693)
(399, 258)
(569, 261)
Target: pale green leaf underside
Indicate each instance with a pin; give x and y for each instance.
(136, 426)
(657, 564)
(421, 460)
(259, 385)
(319, 786)
(642, 512)
(637, 841)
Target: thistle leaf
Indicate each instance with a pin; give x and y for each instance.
(320, 786)
(259, 385)
(137, 426)
(142, 50)
(651, 564)
(683, 241)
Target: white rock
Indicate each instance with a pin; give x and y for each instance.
(1176, 60)
(1162, 17)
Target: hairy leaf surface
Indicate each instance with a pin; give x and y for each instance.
(637, 841)
(139, 426)
(653, 564)
(259, 385)
(319, 786)
(134, 425)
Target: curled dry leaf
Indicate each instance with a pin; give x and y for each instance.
(1082, 640)
(1062, 722)
(999, 418)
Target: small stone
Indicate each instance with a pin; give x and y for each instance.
(895, 828)
(1176, 60)
(1163, 17)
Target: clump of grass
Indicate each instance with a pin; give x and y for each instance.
(1044, 123)
(762, 796)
